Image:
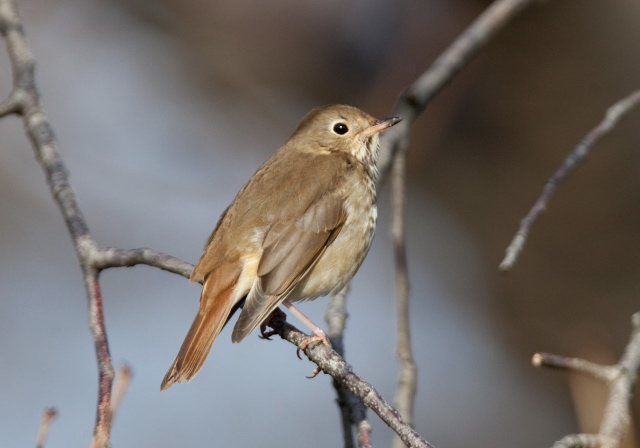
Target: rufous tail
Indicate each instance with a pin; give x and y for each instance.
(211, 317)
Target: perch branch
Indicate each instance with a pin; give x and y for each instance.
(611, 119)
(620, 378)
(333, 364)
(49, 415)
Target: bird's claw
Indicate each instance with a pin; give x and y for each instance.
(266, 334)
(315, 372)
(319, 337)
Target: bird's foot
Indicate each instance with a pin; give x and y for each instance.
(266, 334)
(319, 336)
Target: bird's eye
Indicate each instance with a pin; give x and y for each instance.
(340, 128)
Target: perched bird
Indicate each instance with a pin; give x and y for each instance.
(299, 229)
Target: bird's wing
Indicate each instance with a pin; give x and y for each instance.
(290, 250)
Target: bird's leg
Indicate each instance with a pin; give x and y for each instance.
(266, 334)
(319, 334)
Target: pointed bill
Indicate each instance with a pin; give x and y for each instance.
(381, 125)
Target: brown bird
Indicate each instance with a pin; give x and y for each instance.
(299, 229)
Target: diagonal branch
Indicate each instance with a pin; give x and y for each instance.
(620, 378)
(333, 364)
(418, 95)
(613, 116)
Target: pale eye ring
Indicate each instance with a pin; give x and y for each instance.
(340, 128)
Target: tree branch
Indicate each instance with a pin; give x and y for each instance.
(613, 116)
(123, 379)
(45, 424)
(333, 364)
(393, 151)
(408, 375)
(620, 378)
(352, 411)
(418, 95)
(24, 100)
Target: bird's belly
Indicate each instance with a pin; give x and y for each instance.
(345, 254)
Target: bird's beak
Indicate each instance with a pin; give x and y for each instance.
(380, 125)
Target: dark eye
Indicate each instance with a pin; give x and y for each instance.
(340, 128)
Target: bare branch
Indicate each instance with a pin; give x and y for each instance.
(415, 98)
(352, 411)
(333, 364)
(11, 105)
(613, 116)
(112, 257)
(101, 434)
(49, 415)
(621, 378)
(579, 441)
(25, 100)
(123, 379)
(597, 371)
(408, 375)
(392, 156)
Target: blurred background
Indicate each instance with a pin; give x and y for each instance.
(163, 109)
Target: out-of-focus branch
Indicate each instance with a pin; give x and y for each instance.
(123, 379)
(613, 116)
(333, 364)
(620, 378)
(415, 98)
(49, 415)
(120, 386)
(407, 375)
(393, 151)
(353, 412)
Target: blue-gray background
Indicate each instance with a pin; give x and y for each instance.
(163, 109)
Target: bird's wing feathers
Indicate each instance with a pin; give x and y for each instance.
(290, 250)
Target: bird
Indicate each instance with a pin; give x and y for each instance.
(299, 229)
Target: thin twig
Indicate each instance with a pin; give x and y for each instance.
(112, 257)
(597, 371)
(408, 375)
(49, 415)
(611, 119)
(620, 378)
(333, 364)
(123, 379)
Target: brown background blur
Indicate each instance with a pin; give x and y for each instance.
(164, 108)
